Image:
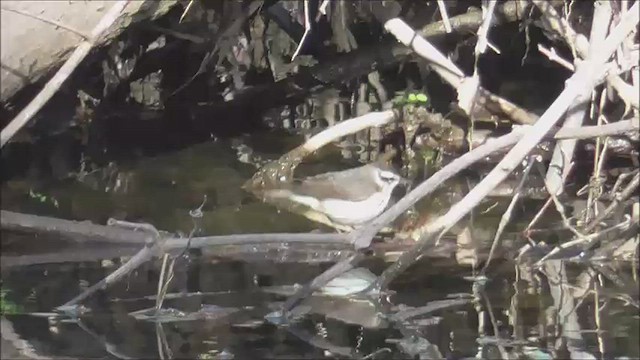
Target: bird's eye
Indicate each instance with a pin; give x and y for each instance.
(387, 176)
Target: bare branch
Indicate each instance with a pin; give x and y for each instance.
(586, 77)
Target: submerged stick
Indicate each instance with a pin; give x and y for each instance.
(144, 255)
(87, 232)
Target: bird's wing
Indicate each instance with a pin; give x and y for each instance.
(323, 187)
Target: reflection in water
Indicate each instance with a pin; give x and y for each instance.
(215, 308)
(220, 307)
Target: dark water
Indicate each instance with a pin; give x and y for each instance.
(219, 304)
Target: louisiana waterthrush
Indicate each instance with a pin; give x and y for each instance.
(350, 197)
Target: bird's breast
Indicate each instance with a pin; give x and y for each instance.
(355, 212)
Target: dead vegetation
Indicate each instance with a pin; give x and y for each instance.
(480, 128)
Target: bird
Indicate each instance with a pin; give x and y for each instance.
(350, 197)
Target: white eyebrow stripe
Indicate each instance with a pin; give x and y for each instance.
(388, 174)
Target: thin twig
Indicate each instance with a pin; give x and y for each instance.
(483, 32)
(445, 17)
(595, 181)
(177, 34)
(553, 56)
(307, 29)
(468, 89)
(507, 214)
(186, 10)
(558, 204)
(68, 256)
(538, 215)
(161, 342)
(494, 323)
(163, 271)
(619, 199)
(155, 243)
(589, 241)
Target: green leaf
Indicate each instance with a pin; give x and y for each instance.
(7, 306)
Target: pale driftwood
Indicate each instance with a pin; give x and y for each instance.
(613, 129)
(351, 126)
(585, 77)
(33, 45)
(63, 74)
(49, 21)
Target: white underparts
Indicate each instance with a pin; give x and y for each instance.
(348, 212)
